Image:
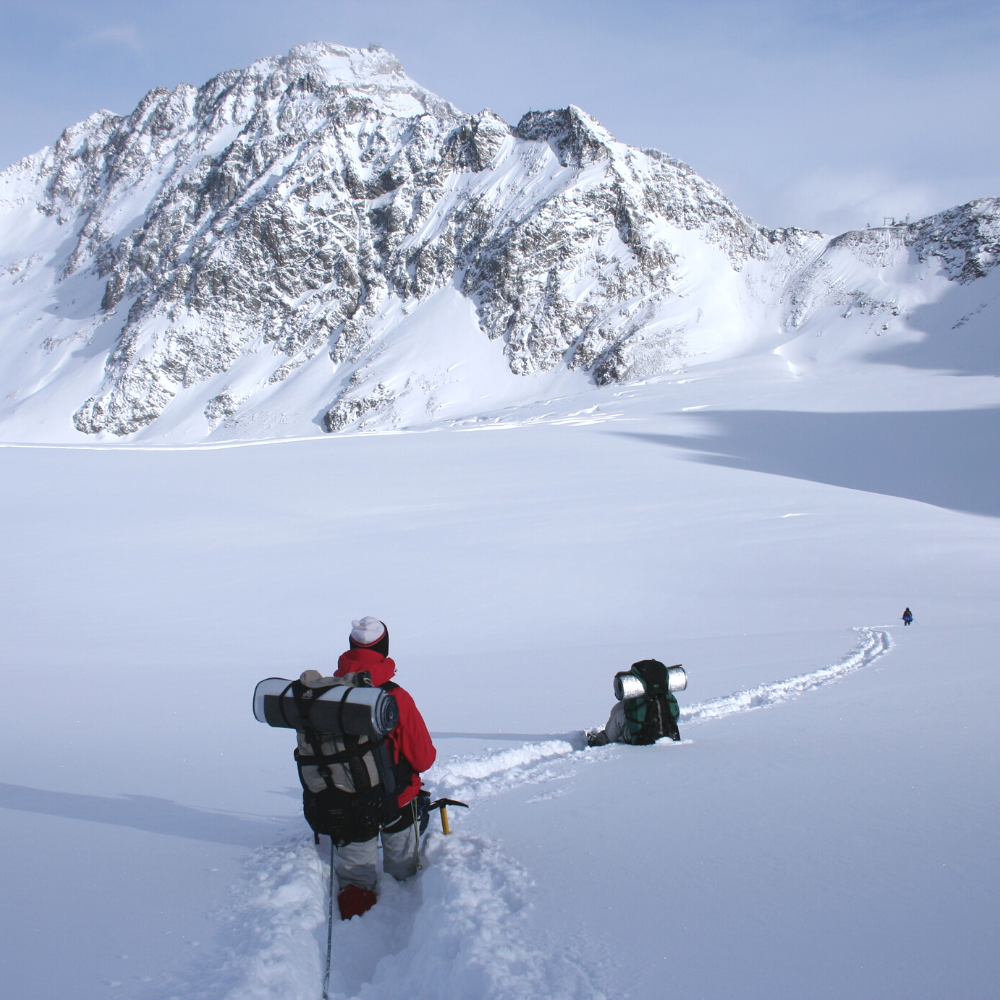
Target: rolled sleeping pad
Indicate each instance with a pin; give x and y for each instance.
(628, 685)
(677, 678)
(342, 710)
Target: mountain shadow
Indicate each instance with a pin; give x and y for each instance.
(968, 346)
(948, 458)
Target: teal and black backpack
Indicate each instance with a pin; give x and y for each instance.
(654, 714)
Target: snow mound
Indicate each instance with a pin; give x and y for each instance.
(460, 931)
(493, 771)
(268, 947)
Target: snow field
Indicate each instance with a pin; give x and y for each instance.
(145, 590)
(491, 772)
(873, 643)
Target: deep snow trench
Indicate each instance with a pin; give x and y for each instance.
(460, 929)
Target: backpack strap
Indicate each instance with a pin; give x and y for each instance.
(315, 741)
(281, 703)
(321, 759)
(359, 773)
(402, 769)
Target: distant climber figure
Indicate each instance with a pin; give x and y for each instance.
(646, 710)
(907, 616)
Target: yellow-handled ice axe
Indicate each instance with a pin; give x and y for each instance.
(443, 804)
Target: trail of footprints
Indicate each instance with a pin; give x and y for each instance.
(463, 925)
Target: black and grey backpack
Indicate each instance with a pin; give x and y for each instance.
(344, 725)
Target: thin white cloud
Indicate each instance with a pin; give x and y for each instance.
(834, 201)
(115, 35)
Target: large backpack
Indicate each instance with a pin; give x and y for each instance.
(349, 784)
(652, 715)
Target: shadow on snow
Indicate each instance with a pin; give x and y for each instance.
(142, 812)
(947, 458)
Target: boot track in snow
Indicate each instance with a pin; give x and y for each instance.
(874, 642)
(461, 930)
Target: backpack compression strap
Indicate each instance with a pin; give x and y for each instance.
(313, 738)
(326, 759)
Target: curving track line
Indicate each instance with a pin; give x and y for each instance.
(872, 644)
(490, 772)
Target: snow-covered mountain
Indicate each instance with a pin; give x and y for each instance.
(319, 243)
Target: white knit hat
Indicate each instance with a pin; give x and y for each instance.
(367, 631)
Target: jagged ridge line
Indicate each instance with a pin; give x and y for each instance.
(874, 644)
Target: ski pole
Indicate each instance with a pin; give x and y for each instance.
(329, 930)
(416, 834)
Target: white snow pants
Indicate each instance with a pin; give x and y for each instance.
(355, 864)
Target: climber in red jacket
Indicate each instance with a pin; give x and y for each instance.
(354, 821)
(411, 743)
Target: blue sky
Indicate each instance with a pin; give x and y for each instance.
(824, 114)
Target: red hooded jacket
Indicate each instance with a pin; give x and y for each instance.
(410, 738)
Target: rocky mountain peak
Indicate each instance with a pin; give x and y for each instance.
(291, 219)
(323, 68)
(577, 138)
